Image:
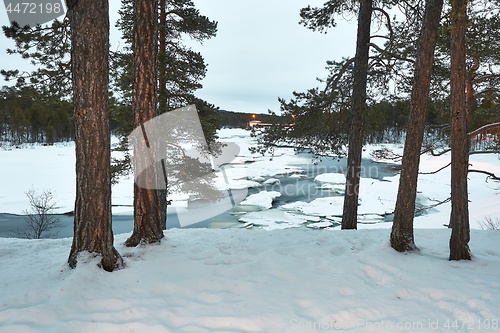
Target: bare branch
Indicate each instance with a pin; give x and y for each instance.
(418, 210)
(489, 174)
(436, 171)
(380, 36)
(430, 150)
(39, 219)
(483, 128)
(386, 154)
(486, 78)
(477, 152)
(388, 18)
(487, 91)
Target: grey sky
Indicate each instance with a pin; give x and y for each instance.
(260, 52)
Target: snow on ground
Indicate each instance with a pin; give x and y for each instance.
(435, 187)
(41, 168)
(52, 168)
(238, 280)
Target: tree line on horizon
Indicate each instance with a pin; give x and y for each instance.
(28, 116)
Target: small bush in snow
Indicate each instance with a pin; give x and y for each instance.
(490, 224)
(39, 219)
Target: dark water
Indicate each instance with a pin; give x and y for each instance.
(9, 223)
(291, 188)
(305, 189)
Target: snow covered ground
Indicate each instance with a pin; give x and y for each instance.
(53, 168)
(238, 280)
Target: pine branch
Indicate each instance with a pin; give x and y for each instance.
(391, 54)
(388, 18)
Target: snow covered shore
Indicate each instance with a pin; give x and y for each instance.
(238, 280)
(53, 168)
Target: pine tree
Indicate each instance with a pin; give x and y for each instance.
(460, 234)
(482, 48)
(321, 116)
(402, 238)
(358, 110)
(180, 70)
(147, 225)
(89, 21)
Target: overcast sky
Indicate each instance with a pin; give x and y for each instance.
(260, 52)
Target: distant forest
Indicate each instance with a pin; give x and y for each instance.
(27, 116)
(234, 119)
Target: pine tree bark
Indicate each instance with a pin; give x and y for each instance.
(162, 57)
(402, 238)
(358, 109)
(460, 234)
(89, 60)
(162, 100)
(147, 226)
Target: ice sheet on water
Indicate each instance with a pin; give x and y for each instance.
(272, 181)
(274, 219)
(317, 207)
(262, 199)
(329, 177)
(52, 168)
(320, 225)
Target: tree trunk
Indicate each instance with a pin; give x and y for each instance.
(402, 228)
(147, 226)
(162, 57)
(162, 98)
(89, 59)
(460, 234)
(350, 210)
(470, 100)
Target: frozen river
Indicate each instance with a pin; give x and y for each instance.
(292, 189)
(285, 190)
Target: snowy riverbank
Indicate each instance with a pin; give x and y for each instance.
(321, 185)
(240, 280)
